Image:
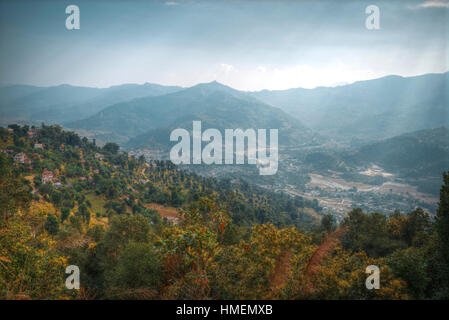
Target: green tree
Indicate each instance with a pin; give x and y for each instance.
(411, 266)
(65, 212)
(14, 193)
(111, 147)
(328, 223)
(124, 229)
(52, 224)
(137, 273)
(369, 233)
(417, 227)
(442, 227)
(30, 266)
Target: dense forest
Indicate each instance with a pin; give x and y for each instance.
(148, 230)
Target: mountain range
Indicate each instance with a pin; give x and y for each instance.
(419, 153)
(68, 103)
(365, 110)
(215, 105)
(368, 110)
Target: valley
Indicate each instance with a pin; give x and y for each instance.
(338, 196)
(337, 146)
(334, 191)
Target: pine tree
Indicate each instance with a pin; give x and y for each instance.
(442, 226)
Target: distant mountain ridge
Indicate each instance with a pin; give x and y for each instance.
(68, 103)
(418, 153)
(216, 105)
(364, 111)
(372, 109)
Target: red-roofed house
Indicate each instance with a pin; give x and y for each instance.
(22, 158)
(47, 176)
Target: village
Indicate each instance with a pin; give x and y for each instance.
(24, 160)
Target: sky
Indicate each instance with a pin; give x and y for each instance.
(246, 44)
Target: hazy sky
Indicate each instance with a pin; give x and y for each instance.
(247, 44)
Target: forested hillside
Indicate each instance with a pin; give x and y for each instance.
(421, 153)
(418, 158)
(147, 230)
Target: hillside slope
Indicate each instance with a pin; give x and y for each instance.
(216, 105)
(68, 103)
(419, 153)
(369, 110)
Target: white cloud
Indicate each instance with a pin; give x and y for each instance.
(301, 75)
(227, 68)
(171, 3)
(434, 4)
(283, 77)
